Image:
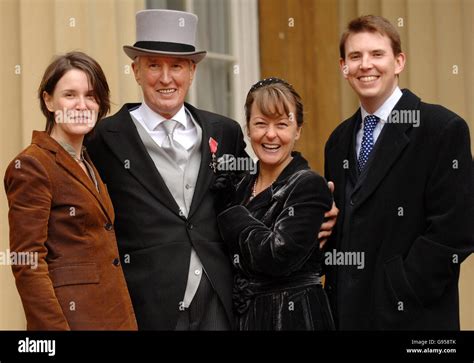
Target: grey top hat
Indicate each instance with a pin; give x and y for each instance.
(167, 33)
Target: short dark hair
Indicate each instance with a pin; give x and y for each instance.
(371, 24)
(64, 63)
(272, 96)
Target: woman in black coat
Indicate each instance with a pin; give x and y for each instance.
(272, 229)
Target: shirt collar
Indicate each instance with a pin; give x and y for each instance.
(71, 150)
(384, 111)
(152, 119)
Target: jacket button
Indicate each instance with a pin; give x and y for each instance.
(190, 226)
(109, 226)
(116, 262)
(351, 202)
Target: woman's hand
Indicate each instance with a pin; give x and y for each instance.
(224, 187)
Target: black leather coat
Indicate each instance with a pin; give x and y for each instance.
(275, 251)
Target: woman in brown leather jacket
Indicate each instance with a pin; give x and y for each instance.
(61, 213)
(272, 231)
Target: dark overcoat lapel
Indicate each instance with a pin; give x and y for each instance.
(390, 144)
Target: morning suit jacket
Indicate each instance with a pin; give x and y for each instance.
(409, 213)
(57, 212)
(154, 239)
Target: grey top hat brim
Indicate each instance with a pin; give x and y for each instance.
(133, 52)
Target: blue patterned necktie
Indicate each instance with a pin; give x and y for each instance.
(367, 145)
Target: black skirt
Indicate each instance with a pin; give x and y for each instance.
(282, 303)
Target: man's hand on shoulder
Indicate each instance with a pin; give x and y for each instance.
(330, 218)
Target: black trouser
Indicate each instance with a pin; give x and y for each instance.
(206, 311)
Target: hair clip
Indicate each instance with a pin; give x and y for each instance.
(268, 81)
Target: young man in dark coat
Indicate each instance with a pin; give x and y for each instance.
(402, 174)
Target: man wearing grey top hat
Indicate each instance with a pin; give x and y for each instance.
(157, 159)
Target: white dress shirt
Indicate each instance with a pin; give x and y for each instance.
(382, 113)
(185, 134)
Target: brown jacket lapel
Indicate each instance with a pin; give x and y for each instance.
(63, 159)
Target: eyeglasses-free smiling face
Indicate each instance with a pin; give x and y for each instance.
(73, 103)
(273, 137)
(371, 68)
(165, 81)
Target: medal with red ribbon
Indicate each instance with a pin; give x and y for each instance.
(213, 146)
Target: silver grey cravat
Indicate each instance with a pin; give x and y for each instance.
(173, 148)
